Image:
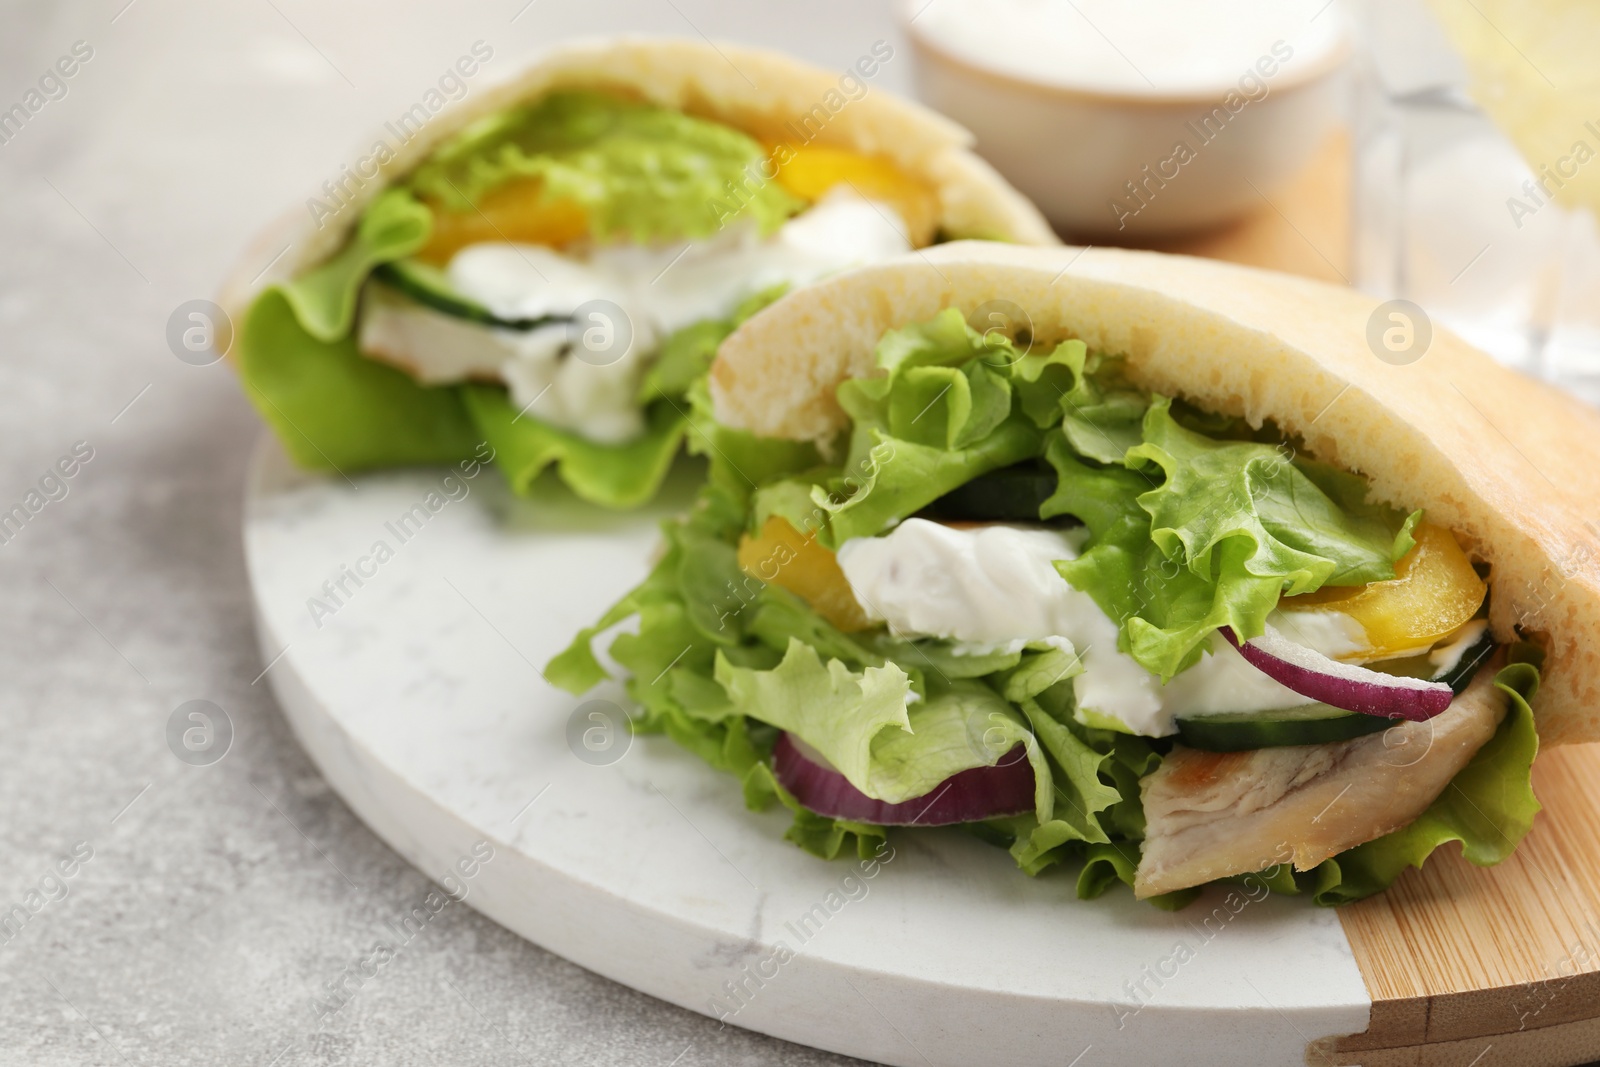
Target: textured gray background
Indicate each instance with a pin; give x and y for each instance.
(219, 899)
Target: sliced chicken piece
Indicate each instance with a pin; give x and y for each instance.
(596, 399)
(1213, 814)
(433, 348)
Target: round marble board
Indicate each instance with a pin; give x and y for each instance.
(405, 618)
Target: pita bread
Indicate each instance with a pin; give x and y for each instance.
(751, 89)
(1510, 464)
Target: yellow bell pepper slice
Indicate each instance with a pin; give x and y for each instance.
(1434, 593)
(784, 556)
(811, 171)
(516, 211)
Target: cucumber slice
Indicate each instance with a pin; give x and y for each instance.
(430, 287)
(1461, 675)
(1309, 724)
(1011, 494)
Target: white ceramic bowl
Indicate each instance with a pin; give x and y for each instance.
(1107, 164)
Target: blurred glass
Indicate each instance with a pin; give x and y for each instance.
(1448, 213)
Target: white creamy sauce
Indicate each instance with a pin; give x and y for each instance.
(994, 586)
(397, 329)
(1145, 47)
(1333, 633)
(987, 585)
(660, 288)
(1445, 657)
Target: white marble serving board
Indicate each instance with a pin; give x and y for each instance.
(420, 698)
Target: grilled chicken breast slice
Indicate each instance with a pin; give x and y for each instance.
(1213, 814)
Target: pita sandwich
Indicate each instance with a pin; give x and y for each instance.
(1172, 569)
(540, 273)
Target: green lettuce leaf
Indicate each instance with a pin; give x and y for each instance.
(949, 405)
(1212, 491)
(779, 617)
(962, 724)
(672, 657)
(941, 658)
(760, 460)
(1107, 864)
(900, 478)
(1101, 415)
(1040, 686)
(621, 475)
(944, 412)
(1195, 534)
(861, 723)
(640, 171)
(835, 710)
(394, 225)
(336, 410)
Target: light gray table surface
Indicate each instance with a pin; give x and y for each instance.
(218, 900)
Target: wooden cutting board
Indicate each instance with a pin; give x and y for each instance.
(1467, 967)
(1491, 966)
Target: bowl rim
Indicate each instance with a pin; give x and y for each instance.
(1325, 65)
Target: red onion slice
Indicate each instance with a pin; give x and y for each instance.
(967, 796)
(1342, 685)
